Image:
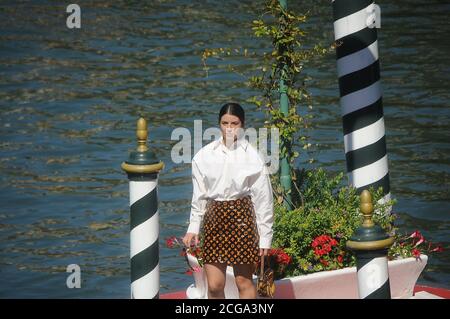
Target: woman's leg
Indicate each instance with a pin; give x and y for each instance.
(243, 276)
(215, 274)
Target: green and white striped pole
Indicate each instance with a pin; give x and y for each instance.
(370, 245)
(142, 173)
(358, 67)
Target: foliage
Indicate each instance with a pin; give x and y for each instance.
(315, 233)
(413, 245)
(325, 210)
(281, 73)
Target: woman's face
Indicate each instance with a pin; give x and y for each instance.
(229, 125)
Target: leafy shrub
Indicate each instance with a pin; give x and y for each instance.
(327, 213)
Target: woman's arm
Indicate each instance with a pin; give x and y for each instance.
(198, 204)
(262, 198)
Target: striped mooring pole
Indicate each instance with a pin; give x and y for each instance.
(370, 245)
(142, 171)
(358, 70)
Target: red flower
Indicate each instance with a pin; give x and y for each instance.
(170, 242)
(340, 259)
(416, 253)
(281, 256)
(323, 245)
(195, 251)
(324, 262)
(284, 258)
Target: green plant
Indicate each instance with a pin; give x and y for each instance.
(326, 215)
(412, 245)
(285, 62)
(315, 233)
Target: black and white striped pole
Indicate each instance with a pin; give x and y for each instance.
(370, 245)
(142, 172)
(358, 69)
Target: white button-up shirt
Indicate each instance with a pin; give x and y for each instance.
(222, 173)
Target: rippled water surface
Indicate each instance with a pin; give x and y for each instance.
(69, 100)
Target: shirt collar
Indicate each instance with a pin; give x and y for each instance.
(242, 142)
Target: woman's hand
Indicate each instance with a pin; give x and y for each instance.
(263, 251)
(187, 239)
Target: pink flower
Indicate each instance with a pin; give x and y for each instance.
(421, 240)
(197, 269)
(438, 249)
(416, 234)
(195, 251)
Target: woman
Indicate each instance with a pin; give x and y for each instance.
(232, 199)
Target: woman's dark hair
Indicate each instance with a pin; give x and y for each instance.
(233, 109)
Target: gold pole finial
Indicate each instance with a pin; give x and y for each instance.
(366, 208)
(142, 134)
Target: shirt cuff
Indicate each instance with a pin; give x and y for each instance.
(265, 243)
(194, 227)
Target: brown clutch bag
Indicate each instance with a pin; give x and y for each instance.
(265, 285)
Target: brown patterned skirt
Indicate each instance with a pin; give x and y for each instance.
(230, 232)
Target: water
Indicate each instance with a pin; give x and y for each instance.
(69, 100)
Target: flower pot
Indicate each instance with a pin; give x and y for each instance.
(334, 284)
